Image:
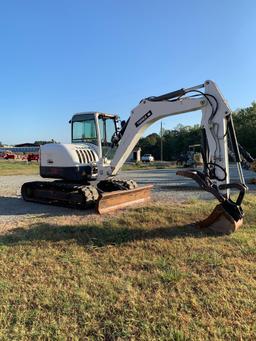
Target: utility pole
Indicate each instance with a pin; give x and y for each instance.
(161, 140)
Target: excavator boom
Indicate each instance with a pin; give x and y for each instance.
(217, 126)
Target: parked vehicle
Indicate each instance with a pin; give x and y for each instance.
(33, 157)
(9, 156)
(147, 158)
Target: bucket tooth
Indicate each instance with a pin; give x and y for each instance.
(110, 201)
(220, 221)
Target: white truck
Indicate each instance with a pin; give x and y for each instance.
(147, 158)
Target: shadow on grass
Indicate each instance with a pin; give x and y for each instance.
(99, 235)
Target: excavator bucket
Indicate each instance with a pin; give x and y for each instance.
(226, 217)
(110, 201)
(220, 221)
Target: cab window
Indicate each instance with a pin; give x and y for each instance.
(84, 131)
(107, 129)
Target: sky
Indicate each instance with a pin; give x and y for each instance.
(59, 57)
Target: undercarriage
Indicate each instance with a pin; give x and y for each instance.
(60, 193)
(113, 193)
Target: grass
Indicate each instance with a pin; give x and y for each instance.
(144, 274)
(11, 167)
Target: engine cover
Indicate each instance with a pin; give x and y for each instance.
(70, 162)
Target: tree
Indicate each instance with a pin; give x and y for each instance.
(45, 142)
(245, 126)
(177, 141)
(150, 145)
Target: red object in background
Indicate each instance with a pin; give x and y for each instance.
(33, 157)
(9, 156)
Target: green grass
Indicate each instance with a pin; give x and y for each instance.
(144, 274)
(11, 167)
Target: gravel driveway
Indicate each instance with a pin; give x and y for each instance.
(167, 187)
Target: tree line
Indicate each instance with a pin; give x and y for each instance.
(177, 141)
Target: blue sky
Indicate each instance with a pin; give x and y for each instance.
(59, 57)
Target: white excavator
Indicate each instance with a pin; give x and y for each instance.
(100, 146)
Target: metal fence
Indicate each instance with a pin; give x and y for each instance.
(20, 149)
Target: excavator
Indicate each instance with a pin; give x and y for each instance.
(85, 171)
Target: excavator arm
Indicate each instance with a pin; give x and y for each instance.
(217, 126)
(216, 123)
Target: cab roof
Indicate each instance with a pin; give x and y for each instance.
(81, 116)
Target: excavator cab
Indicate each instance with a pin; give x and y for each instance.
(97, 129)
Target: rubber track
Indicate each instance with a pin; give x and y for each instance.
(60, 193)
(116, 184)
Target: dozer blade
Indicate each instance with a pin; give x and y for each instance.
(220, 221)
(110, 201)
